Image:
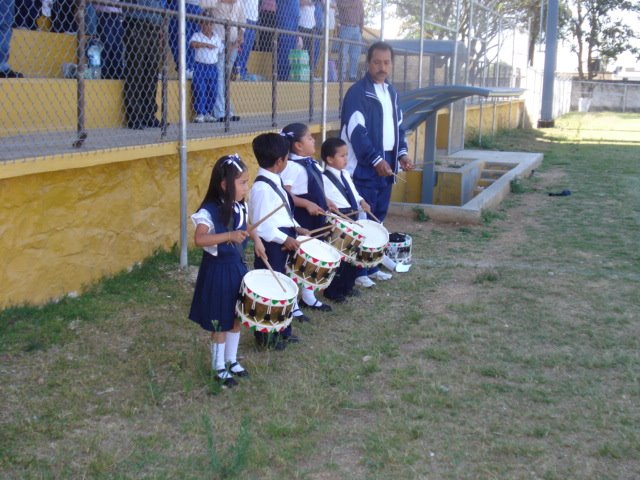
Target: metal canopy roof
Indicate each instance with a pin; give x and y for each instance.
(419, 104)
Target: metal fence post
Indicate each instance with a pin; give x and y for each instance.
(274, 80)
(80, 71)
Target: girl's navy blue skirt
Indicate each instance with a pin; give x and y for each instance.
(216, 292)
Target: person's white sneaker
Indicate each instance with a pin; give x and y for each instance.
(210, 119)
(364, 282)
(388, 263)
(189, 74)
(199, 119)
(380, 275)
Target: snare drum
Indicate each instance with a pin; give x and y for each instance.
(399, 248)
(314, 264)
(371, 250)
(344, 238)
(263, 305)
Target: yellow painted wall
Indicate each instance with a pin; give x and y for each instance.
(41, 54)
(63, 230)
(53, 102)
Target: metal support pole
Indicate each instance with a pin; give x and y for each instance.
(82, 62)
(325, 72)
(164, 90)
(311, 75)
(274, 80)
(182, 140)
(429, 159)
(420, 66)
(551, 51)
(227, 78)
(382, 7)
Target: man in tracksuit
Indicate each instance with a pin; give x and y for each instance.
(372, 127)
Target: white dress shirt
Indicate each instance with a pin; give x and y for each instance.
(262, 200)
(332, 192)
(295, 175)
(206, 55)
(203, 217)
(388, 128)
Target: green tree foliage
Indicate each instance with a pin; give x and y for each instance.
(478, 27)
(601, 31)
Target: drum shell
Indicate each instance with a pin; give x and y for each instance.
(314, 264)
(257, 310)
(371, 251)
(345, 239)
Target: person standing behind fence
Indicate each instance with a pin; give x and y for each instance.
(143, 52)
(250, 8)
(307, 24)
(7, 11)
(371, 124)
(192, 7)
(287, 14)
(110, 32)
(206, 46)
(226, 10)
(351, 17)
(266, 18)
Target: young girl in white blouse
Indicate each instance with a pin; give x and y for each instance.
(221, 230)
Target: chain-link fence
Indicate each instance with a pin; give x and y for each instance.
(610, 96)
(103, 74)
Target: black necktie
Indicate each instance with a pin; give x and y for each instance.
(347, 188)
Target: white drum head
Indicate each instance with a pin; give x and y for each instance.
(375, 235)
(320, 250)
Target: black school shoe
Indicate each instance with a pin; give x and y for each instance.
(336, 298)
(292, 339)
(224, 380)
(241, 373)
(323, 307)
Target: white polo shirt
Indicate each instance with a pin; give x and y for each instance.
(388, 129)
(206, 55)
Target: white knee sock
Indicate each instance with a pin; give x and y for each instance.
(231, 347)
(309, 297)
(217, 356)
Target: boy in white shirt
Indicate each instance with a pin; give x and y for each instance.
(339, 188)
(278, 232)
(207, 46)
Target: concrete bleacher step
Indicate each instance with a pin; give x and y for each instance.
(489, 173)
(485, 182)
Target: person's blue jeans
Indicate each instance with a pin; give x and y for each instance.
(245, 50)
(350, 52)
(219, 107)
(7, 11)
(203, 86)
(191, 27)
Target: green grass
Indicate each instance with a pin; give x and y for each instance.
(510, 350)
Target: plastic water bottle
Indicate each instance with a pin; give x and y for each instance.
(94, 53)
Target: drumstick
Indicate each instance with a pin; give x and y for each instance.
(399, 178)
(340, 217)
(373, 216)
(318, 230)
(255, 225)
(266, 262)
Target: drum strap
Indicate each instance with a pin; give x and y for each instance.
(285, 199)
(309, 164)
(343, 188)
